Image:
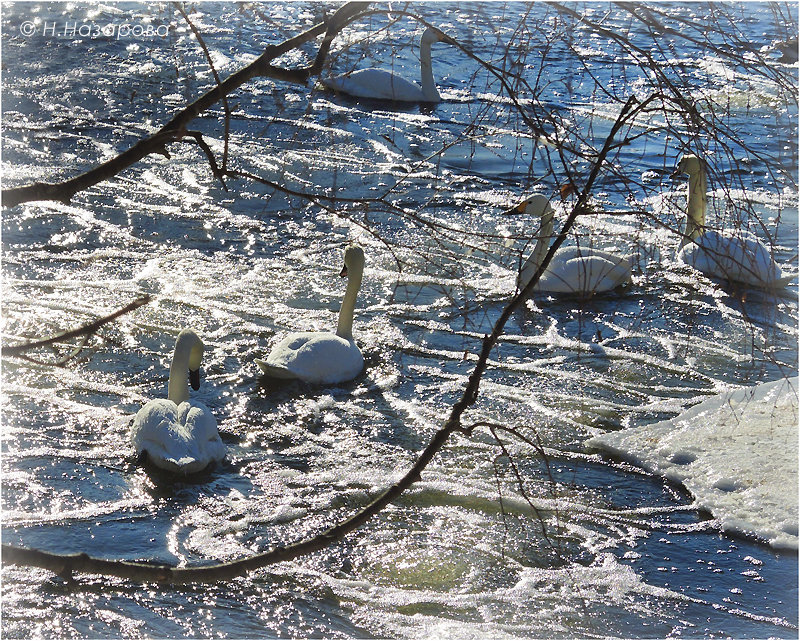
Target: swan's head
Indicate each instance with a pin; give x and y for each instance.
(429, 36)
(537, 205)
(189, 343)
(689, 164)
(353, 261)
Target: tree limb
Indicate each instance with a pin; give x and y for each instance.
(84, 330)
(261, 67)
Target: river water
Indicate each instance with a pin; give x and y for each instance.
(610, 551)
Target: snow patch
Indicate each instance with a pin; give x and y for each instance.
(736, 452)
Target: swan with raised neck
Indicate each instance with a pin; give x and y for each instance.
(736, 256)
(574, 270)
(380, 84)
(323, 357)
(176, 433)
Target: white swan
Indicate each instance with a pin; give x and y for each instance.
(323, 357)
(740, 258)
(578, 271)
(379, 84)
(176, 433)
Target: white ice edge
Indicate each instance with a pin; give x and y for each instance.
(736, 453)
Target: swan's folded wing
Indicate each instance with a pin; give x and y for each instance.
(315, 357)
(740, 258)
(201, 427)
(151, 422)
(180, 439)
(275, 371)
(281, 360)
(375, 84)
(584, 275)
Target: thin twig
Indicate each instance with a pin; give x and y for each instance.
(84, 330)
(225, 105)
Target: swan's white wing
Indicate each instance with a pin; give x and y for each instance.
(376, 84)
(584, 272)
(741, 259)
(619, 273)
(276, 371)
(152, 422)
(200, 427)
(315, 357)
(575, 251)
(177, 438)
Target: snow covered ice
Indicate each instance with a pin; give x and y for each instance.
(736, 453)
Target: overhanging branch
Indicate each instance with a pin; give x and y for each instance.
(174, 129)
(83, 331)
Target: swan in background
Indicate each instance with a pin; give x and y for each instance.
(178, 434)
(323, 357)
(740, 258)
(379, 84)
(575, 270)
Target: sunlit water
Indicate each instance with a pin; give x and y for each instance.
(609, 551)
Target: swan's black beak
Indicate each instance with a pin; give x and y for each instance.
(343, 273)
(676, 174)
(194, 379)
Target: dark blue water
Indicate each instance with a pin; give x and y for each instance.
(462, 554)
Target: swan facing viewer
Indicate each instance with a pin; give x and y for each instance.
(178, 434)
(577, 271)
(379, 84)
(323, 357)
(739, 258)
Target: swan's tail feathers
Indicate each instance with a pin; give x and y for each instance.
(155, 456)
(275, 371)
(628, 262)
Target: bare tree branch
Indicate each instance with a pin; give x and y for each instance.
(174, 129)
(225, 105)
(83, 331)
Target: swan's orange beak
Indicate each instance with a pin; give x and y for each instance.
(194, 379)
(519, 209)
(343, 273)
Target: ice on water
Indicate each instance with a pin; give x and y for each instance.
(736, 452)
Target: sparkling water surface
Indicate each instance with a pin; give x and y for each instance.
(608, 551)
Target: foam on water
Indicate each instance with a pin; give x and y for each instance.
(542, 599)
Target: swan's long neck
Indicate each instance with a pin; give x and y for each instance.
(345, 326)
(539, 251)
(429, 91)
(178, 389)
(695, 207)
(188, 354)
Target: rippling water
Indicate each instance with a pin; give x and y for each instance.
(609, 551)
